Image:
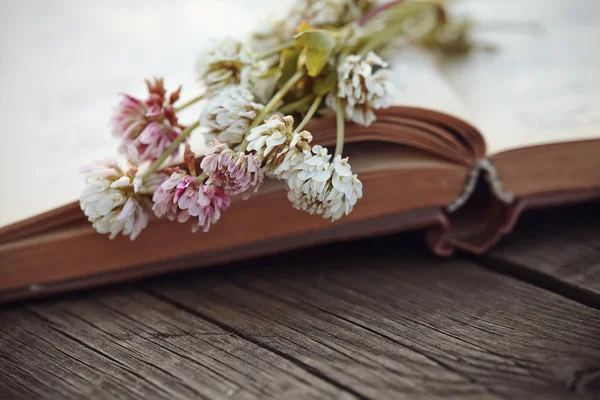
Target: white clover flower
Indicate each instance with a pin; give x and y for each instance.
(235, 172)
(318, 14)
(332, 13)
(319, 186)
(262, 84)
(363, 86)
(115, 202)
(277, 145)
(227, 62)
(229, 115)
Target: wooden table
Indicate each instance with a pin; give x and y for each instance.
(380, 318)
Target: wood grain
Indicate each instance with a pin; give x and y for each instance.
(558, 249)
(384, 321)
(130, 336)
(379, 319)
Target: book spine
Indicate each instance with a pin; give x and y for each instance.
(490, 173)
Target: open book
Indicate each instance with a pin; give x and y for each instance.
(471, 143)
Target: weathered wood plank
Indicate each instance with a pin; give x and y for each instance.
(386, 321)
(36, 358)
(115, 343)
(372, 320)
(558, 249)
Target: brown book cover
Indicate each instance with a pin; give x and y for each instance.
(431, 175)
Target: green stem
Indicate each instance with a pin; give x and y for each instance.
(182, 136)
(392, 31)
(285, 45)
(339, 120)
(373, 13)
(202, 177)
(271, 104)
(379, 39)
(311, 111)
(190, 102)
(296, 105)
(277, 97)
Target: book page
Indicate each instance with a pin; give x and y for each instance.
(542, 83)
(62, 67)
(419, 82)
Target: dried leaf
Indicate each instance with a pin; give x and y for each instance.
(317, 47)
(175, 95)
(303, 27)
(288, 64)
(324, 83)
(189, 158)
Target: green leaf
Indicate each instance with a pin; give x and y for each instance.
(324, 83)
(316, 39)
(288, 64)
(317, 47)
(271, 72)
(303, 27)
(315, 61)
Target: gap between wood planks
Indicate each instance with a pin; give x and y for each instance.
(275, 299)
(558, 250)
(540, 279)
(307, 368)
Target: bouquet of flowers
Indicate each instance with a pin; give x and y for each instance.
(325, 57)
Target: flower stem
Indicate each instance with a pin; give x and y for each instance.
(311, 111)
(285, 45)
(190, 102)
(395, 26)
(271, 104)
(182, 136)
(296, 105)
(277, 97)
(339, 120)
(374, 12)
(202, 177)
(381, 38)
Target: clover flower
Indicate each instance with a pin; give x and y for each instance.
(363, 86)
(227, 62)
(115, 199)
(229, 114)
(235, 172)
(277, 145)
(319, 186)
(150, 125)
(332, 13)
(180, 197)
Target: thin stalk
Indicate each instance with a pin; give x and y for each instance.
(391, 32)
(311, 111)
(291, 107)
(285, 45)
(380, 38)
(202, 177)
(374, 12)
(271, 104)
(339, 127)
(190, 102)
(182, 136)
(277, 97)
